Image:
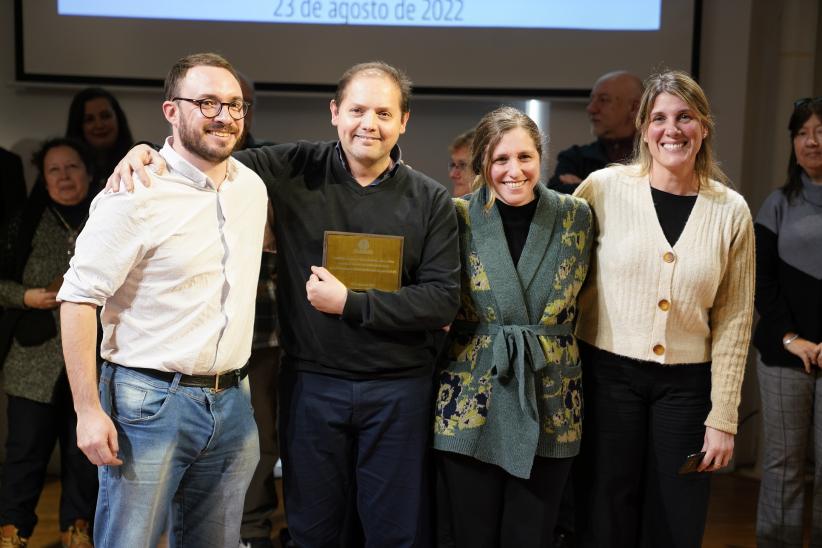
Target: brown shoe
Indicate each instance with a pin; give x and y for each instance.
(9, 537)
(77, 536)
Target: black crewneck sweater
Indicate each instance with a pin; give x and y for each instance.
(380, 334)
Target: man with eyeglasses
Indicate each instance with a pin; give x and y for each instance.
(459, 165)
(175, 268)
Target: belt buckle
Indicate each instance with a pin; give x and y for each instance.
(217, 379)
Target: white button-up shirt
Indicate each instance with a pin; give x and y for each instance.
(175, 268)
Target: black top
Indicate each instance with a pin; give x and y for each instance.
(12, 185)
(582, 160)
(380, 334)
(788, 272)
(673, 211)
(74, 215)
(516, 221)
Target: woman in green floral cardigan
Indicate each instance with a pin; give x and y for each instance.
(508, 415)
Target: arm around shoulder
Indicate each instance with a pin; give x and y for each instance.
(586, 190)
(271, 162)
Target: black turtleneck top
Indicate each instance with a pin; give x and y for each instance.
(516, 221)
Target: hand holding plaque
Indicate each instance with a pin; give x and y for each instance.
(364, 261)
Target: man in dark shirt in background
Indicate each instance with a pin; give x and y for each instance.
(612, 109)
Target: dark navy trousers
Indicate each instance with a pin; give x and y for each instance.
(366, 438)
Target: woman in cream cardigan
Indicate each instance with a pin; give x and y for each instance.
(665, 318)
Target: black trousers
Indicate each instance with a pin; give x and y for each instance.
(490, 508)
(641, 422)
(261, 497)
(343, 438)
(34, 428)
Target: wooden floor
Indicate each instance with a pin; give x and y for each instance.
(730, 516)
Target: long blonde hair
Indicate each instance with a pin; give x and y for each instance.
(681, 85)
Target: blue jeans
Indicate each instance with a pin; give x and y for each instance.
(188, 456)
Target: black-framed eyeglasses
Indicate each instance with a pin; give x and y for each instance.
(211, 108)
(462, 166)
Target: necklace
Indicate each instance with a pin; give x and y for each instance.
(71, 233)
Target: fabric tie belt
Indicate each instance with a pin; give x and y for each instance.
(220, 381)
(517, 355)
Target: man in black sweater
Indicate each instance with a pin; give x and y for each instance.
(356, 383)
(355, 390)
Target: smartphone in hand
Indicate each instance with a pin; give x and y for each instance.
(692, 463)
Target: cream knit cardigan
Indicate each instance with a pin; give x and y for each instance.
(685, 304)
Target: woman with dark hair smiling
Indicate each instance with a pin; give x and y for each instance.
(789, 336)
(35, 248)
(96, 119)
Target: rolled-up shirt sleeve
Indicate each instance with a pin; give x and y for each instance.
(112, 244)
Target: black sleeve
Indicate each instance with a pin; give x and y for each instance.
(270, 162)
(9, 243)
(769, 299)
(432, 301)
(155, 146)
(568, 162)
(12, 185)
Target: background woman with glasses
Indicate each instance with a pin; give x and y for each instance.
(459, 169)
(35, 252)
(789, 335)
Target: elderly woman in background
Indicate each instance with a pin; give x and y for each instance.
(789, 335)
(36, 247)
(666, 315)
(96, 119)
(508, 412)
